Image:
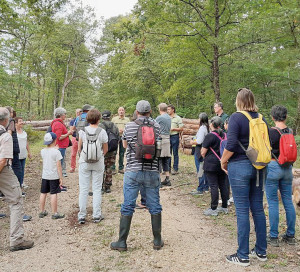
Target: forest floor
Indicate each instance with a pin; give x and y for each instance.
(193, 242)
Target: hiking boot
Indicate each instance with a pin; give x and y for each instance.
(260, 257)
(81, 221)
(65, 175)
(158, 243)
(24, 245)
(23, 194)
(57, 216)
(222, 210)
(121, 245)
(26, 218)
(290, 240)
(166, 182)
(121, 171)
(98, 219)
(273, 241)
(235, 259)
(210, 212)
(1, 195)
(43, 214)
(196, 192)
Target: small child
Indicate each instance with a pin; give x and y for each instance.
(51, 177)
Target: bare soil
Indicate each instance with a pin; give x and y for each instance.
(193, 242)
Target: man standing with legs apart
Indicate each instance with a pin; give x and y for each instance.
(176, 128)
(139, 136)
(120, 121)
(164, 120)
(10, 187)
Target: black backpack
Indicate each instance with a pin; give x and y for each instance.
(113, 139)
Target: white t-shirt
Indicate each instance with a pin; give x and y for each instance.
(103, 138)
(50, 157)
(22, 139)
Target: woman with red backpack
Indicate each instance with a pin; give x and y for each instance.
(280, 177)
(215, 176)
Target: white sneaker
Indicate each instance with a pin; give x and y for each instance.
(222, 210)
(210, 212)
(220, 201)
(231, 200)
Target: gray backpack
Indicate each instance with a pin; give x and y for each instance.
(92, 147)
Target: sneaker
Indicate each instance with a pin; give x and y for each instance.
(166, 182)
(174, 172)
(121, 171)
(43, 214)
(260, 257)
(114, 172)
(235, 259)
(222, 210)
(57, 216)
(65, 175)
(23, 194)
(210, 212)
(107, 190)
(26, 218)
(2, 215)
(72, 170)
(90, 193)
(24, 186)
(24, 245)
(288, 239)
(1, 195)
(196, 192)
(81, 221)
(273, 241)
(220, 201)
(231, 200)
(97, 219)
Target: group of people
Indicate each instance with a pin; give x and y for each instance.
(221, 160)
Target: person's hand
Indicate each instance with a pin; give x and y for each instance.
(29, 155)
(121, 131)
(60, 182)
(224, 166)
(192, 142)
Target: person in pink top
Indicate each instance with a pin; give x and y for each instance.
(59, 128)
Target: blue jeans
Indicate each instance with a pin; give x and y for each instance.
(63, 154)
(133, 182)
(242, 178)
(174, 145)
(203, 184)
(280, 178)
(22, 161)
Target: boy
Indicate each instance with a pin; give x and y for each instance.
(52, 175)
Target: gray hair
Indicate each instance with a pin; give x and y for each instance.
(4, 114)
(216, 122)
(58, 112)
(163, 107)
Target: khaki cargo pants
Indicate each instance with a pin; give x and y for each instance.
(10, 187)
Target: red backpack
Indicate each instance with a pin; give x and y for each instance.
(287, 148)
(145, 147)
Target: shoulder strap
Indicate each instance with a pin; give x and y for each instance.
(215, 153)
(278, 129)
(2, 131)
(138, 122)
(246, 114)
(216, 134)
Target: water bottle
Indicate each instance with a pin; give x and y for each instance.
(158, 147)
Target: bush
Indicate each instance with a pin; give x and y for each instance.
(33, 135)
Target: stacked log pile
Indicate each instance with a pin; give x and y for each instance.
(190, 128)
(44, 124)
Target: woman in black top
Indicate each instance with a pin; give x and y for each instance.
(212, 168)
(279, 178)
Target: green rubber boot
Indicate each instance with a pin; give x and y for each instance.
(158, 243)
(121, 245)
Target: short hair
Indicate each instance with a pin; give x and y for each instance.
(93, 116)
(245, 100)
(58, 112)
(219, 104)
(18, 118)
(216, 122)
(172, 107)
(279, 113)
(9, 108)
(163, 107)
(78, 110)
(4, 114)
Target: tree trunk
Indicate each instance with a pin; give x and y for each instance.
(216, 73)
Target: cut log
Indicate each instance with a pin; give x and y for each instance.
(187, 131)
(40, 128)
(190, 121)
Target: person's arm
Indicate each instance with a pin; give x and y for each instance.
(180, 126)
(203, 151)
(79, 145)
(225, 158)
(28, 150)
(59, 170)
(124, 143)
(105, 148)
(3, 163)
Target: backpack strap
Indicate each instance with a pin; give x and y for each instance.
(2, 131)
(215, 153)
(216, 134)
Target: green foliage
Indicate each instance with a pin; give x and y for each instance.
(33, 135)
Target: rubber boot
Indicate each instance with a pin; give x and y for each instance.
(158, 243)
(121, 245)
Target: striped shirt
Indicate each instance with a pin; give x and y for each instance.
(130, 135)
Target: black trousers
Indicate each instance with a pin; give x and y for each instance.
(216, 181)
